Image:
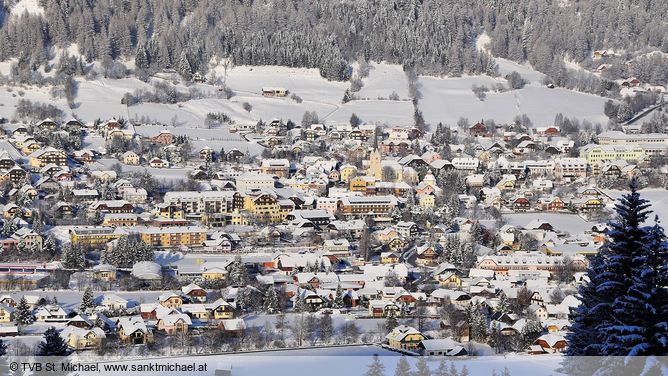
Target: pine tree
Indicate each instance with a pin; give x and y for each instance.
(72, 257)
(442, 369)
(338, 298)
(184, 67)
(299, 303)
(53, 344)
(326, 328)
(376, 368)
(271, 304)
(4, 367)
(87, 300)
(642, 328)
(422, 368)
(503, 306)
(593, 331)
(238, 273)
(530, 332)
(403, 368)
(23, 314)
(391, 322)
(477, 322)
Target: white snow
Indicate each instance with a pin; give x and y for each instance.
(383, 80)
(570, 223)
(351, 360)
(447, 99)
(657, 197)
(30, 6)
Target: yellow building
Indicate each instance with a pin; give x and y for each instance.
(347, 173)
(176, 236)
(221, 310)
(389, 258)
(597, 153)
(214, 274)
(427, 201)
(104, 272)
(449, 280)
(197, 311)
(6, 313)
(83, 339)
(264, 208)
(375, 165)
(404, 337)
(44, 156)
(95, 236)
(170, 300)
(120, 220)
(361, 183)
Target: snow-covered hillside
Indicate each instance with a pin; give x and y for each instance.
(443, 99)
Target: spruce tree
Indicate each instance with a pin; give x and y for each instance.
(376, 368)
(391, 322)
(23, 314)
(338, 298)
(326, 328)
(642, 328)
(422, 368)
(271, 304)
(53, 344)
(4, 367)
(238, 273)
(403, 368)
(593, 330)
(299, 303)
(86, 300)
(442, 369)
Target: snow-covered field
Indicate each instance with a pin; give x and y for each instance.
(353, 360)
(447, 99)
(443, 99)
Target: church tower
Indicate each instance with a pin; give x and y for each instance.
(375, 169)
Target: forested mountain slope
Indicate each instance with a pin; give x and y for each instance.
(433, 36)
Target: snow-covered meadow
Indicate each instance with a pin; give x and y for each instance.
(443, 99)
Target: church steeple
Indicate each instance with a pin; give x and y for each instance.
(375, 169)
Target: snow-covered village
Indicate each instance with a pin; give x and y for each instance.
(409, 188)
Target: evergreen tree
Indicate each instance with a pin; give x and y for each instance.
(271, 304)
(403, 368)
(238, 273)
(422, 368)
(87, 300)
(609, 271)
(338, 298)
(4, 367)
(530, 332)
(53, 344)
(299, 303)
(326, 328)
(391, 322)
(23, 314)
(477, 322)
(73, 257)
(641, 314)
(376, 368)
(442, 369)
(184, 67)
